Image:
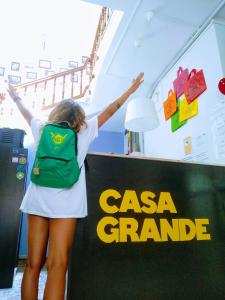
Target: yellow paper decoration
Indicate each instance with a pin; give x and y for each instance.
(188, 111)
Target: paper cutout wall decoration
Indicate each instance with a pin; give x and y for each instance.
(179, 82)
(170, 105)
(221, 86)
(188, 111)
(195, 85)
(175, 120)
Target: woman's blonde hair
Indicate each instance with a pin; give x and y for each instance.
(70, 111)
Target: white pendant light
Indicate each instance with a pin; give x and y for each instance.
(141, 115)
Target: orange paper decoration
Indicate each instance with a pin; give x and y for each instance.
(170, 105)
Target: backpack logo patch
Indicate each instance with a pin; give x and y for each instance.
(58, 139)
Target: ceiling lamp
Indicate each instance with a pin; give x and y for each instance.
(141, 115)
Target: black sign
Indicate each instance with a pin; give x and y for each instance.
(155, 230)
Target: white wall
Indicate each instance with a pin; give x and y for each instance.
(220, 34)
(161, 142)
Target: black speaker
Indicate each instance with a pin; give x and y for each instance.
(11, 137)
(13, 170)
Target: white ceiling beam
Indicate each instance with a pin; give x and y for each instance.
(122, 35)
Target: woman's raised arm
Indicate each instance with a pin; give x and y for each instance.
(15, 97)
(113, 107)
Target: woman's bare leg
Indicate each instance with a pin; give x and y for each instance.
(61, 234)
(37, 244)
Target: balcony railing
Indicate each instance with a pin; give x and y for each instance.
(74, 83)
(48, 91)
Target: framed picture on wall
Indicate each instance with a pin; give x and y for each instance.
(31, 75)
(15, 66)
(72, 64)
(29, 66)
(84, 58)
(45, 64)
(49, 73)
(2, 71)
(13, 79)
(62, 70)
(74, 78)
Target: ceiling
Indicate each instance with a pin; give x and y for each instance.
(221, 14)
(149, 45)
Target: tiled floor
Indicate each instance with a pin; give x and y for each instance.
(14, 292)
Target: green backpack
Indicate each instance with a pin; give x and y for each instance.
(56, 163)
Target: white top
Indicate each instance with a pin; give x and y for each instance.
(61, 203)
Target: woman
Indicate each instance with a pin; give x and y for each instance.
(52, 212)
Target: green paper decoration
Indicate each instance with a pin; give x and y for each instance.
(175, 123)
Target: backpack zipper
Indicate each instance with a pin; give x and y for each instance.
(55, 158)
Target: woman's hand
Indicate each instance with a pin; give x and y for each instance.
(16, 98)
(136, 83)
(113, 107)
(13, 93)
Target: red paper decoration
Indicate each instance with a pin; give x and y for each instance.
(221, 86)
(195, 85)
(179, 82)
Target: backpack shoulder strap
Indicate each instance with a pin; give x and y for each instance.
(76, 141)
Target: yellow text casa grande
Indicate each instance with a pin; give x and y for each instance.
(111, 229)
